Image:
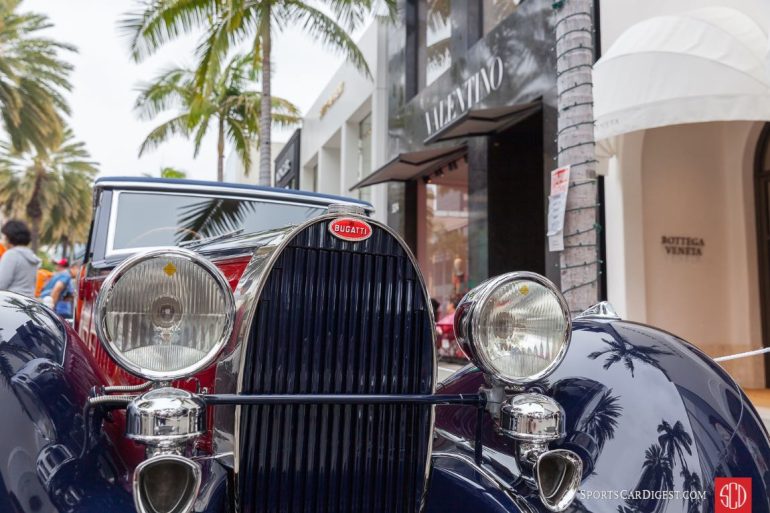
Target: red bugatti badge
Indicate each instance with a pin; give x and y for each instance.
(351, 229)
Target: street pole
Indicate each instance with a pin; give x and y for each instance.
(579, 261)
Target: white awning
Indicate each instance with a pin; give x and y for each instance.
(704, 65)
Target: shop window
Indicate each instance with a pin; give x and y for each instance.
(445, 258)
(495, 11)
(437, 34)
(365, 154)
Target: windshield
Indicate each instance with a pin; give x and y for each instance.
(145, 219)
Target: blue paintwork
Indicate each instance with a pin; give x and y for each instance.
(213, 186)
(44, 382)
(623, 386)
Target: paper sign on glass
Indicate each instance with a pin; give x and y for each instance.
(557, 207)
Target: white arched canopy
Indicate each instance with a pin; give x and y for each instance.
(704, 65)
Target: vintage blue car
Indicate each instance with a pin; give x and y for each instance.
(255, 350)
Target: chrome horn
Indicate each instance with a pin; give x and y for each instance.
(558, 474)
(165, 420)
(534, 421)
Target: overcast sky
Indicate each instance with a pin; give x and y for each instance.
(105, 83)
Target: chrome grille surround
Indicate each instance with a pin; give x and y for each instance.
(230, 370)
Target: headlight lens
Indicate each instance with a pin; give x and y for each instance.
(515, 327)
(165, 314)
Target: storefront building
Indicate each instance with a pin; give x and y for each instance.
(344, 133)
(286, 163)
(682, 98)
(471, 130)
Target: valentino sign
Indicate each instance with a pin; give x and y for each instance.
(466, 95)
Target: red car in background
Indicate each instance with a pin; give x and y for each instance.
(447, 347)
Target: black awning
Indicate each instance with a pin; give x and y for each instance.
(485, 121)
(412, 165)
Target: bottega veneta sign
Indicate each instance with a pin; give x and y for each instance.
(685, 246)
(477, 87)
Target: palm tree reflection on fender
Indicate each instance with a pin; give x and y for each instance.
(620, 350)
(674, 439)
(602, 420)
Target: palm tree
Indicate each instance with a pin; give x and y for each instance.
(172, 172)
(230, 23)
(620, 350)
(692, 485)
(51, 189)
(32, 79)
(574, 42)
(674, 440)
(66, 221)
(169, 172)
(660, 466)
(602, 420)
(228, 102)
(657, 474)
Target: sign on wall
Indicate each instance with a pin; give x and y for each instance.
(473, 90)
(557, 207)
(682, 246)
(287, 163)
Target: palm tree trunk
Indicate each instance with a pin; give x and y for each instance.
(266, 117)
(221, 150)
(65, 244)
(575, 59)
(34, 210)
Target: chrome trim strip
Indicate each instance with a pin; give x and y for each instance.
(238, 191)
(601, 310)
(246, 296)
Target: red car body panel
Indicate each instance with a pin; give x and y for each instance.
(447, 347)
(111, 374)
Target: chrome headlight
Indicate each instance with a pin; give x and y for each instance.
(515, 327)
(165, 313)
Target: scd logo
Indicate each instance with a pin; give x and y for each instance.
(733, 495)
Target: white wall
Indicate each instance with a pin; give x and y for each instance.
(618, 15)
(689, 180)
(623, 194)
(235, 172)
(331, 139)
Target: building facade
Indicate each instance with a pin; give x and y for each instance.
(471, 129)
(236, 172)
(344, 135)
(682, 98)
(462, 114)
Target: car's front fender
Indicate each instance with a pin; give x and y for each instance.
(654, 420)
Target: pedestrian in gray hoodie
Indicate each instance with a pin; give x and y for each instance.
(18, 265)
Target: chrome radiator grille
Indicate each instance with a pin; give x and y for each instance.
(336, 317)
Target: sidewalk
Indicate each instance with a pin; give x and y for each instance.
(761, 399)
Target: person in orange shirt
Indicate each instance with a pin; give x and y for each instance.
(2, 249)
(43, 275)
